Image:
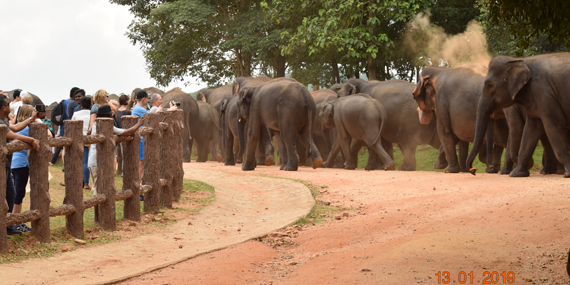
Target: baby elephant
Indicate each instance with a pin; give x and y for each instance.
(358, 117)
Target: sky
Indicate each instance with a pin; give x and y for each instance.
(47, 47)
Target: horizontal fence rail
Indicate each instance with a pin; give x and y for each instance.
(161, 185)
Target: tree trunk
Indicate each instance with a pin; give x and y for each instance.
(315, 87)
(336, 74)
(371, 68)
(246, 65)
(357, 70)
(280, 70)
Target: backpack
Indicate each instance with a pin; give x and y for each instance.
(58, 114)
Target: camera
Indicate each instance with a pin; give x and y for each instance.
(176, 103)
(40, 108)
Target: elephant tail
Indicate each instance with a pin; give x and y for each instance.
(216, 120)
(382, 119)
(310, 136)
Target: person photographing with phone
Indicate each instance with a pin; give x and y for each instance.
(156, 102)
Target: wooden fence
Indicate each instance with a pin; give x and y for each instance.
(161, 185)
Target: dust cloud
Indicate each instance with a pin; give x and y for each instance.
(432, 46)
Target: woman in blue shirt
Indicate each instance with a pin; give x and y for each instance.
(21, 167)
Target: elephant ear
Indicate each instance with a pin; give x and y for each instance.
(517, 76)
(420, 87)
(352, 89)
(245, 94)
(235, 88)
(224, 106)
(328, 111)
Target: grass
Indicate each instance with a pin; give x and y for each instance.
(196, 196)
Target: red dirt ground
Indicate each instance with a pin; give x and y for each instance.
(403, 228)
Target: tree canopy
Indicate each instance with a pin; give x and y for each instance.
(322, 42)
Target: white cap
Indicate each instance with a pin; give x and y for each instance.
(23, 92)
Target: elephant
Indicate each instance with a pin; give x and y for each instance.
(540, 85)
(230, 136)
(209, 122)
(51, 106)
(336, 87)
(322, 137)
(203, 94)
(149, 90)
(191, 117)
(285, 106)
(451, 94)
(230, 118)
(402, 126)
(113, 97)
(358, 117)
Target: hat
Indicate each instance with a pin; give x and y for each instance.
(104, 110)
(141, 94)
(23, 92)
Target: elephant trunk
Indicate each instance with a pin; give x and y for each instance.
(224, 131)
(241, 134)
(484, 110)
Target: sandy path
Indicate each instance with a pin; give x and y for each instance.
(404, 229)
(246, 207)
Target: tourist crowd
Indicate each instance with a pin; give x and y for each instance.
(18, 111)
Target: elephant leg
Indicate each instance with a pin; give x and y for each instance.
(212, 151)
(260, 151)
(345, 141)
(409, 153)
(533, 130)
(389, 148)
(355, 147)
(281, 150)
(186, 146)
(307, 141)
(202, 151)
(303, 152)
(448, 142)
(549, 161)
(441, 162)
(334, 152)
(321, 144)
(251, 145)
(509, 163)
(556, 133)
(269, 150)
(229, 145)
(290, 136)
(377, 148)
(463, 153)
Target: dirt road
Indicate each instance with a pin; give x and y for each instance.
(403, 228)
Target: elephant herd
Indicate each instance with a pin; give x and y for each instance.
(518, 103)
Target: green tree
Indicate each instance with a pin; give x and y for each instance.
(212, 40)
(528, 21)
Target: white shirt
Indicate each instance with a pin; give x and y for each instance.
(15, 106)
(92, 160)
(85, 116)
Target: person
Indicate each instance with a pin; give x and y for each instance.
(156, 103)
(16, 102)
(139, 110)
(105, 112)
(74, 103)
(11, 135)
(20, 166)
(100, 98)
(122, 111)
(114, 107)
(85, 115)
(61, 131)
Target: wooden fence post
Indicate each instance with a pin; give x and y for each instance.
(131, 178)
(73, 162)
(3, 204)
(178, 131)
(151, 163)
(39, 182)
(106, 174)
(167, 167)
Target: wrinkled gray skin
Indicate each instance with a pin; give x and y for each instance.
(516, 117)
(215, 99)
(191, 114)
(203, 94)
(402, 125)
(539, 84)
(209, 130)
(265, 148)
(285, 106)
(451, 95)
(322, 137)
(113, 97)
(358, 117)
